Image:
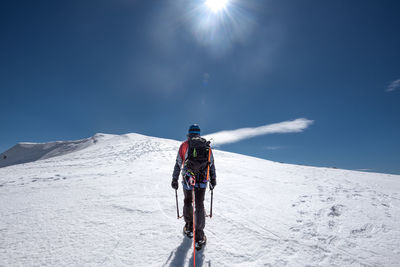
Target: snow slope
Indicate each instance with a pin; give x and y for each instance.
(28, 152)
(109, 203)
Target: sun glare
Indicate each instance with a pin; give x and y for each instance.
(219, 24)
(216, 5)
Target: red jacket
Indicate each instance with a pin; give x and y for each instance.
(180, 168)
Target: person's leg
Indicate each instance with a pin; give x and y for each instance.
(200, 213)
(187, 207)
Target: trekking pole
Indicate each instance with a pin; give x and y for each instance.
(208, 176)
(211, 204)
(212, 194)
(177, 208)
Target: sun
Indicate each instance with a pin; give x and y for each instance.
(216, 5)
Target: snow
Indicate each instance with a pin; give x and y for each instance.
(28, 152)
(107, 201)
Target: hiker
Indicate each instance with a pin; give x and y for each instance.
(194, 161)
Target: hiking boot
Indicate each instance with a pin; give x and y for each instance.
(201, 243)
(188, 230)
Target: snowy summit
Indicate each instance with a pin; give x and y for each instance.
(107, 201)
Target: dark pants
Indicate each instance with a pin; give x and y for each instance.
(200, 213)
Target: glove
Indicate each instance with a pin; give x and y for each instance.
(213, 183)
(174, 184)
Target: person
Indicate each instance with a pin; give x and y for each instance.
(182, 165)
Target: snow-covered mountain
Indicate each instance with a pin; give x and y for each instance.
(107, 201)
(28, 152)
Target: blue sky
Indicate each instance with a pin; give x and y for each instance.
(70, 69)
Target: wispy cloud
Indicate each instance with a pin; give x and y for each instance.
(393, 86)
(233, 136)
(273, 147)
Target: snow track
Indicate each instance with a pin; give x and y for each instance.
(109, 203)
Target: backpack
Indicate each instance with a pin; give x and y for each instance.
(197, 160)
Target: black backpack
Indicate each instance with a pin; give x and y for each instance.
(197, 160)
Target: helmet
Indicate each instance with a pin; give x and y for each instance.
(194, 130)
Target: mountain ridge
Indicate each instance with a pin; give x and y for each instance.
(111, 204)
(44, 150)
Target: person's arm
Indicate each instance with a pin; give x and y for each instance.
(175, 174)
(178, 163)
(177, 170)
(213, 175)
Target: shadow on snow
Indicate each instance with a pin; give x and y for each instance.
(178, 256)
